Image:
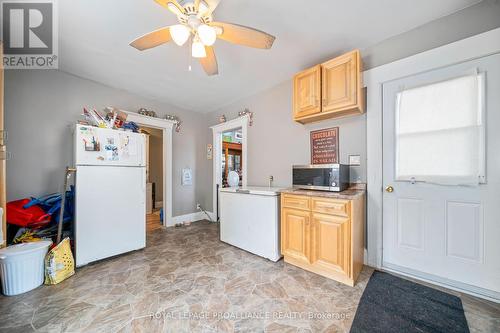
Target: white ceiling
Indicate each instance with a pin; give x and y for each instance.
(94, 37)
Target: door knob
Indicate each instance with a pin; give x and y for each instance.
(389, 189)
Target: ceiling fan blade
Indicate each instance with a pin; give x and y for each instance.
(152, 39)
(209, 63)
(212, 5)
(202, 8)
(173, 6)
(239, 34)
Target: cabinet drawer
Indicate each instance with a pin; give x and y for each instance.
(330, 206)
(295, 201)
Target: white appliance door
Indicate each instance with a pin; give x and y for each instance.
(251, 222)
(448, 234)
(110, 214)
(101, 146)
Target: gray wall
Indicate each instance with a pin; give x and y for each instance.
(276, 142)
(42, 105)
(467, 22)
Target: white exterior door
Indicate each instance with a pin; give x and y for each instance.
(446, 233)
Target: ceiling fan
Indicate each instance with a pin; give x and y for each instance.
(196, 23)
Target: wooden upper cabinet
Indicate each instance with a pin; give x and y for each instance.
(340, 82)
(341, 89)
(295, 234)
(307, 92)
(331, 243)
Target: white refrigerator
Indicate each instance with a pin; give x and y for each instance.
(110, 203)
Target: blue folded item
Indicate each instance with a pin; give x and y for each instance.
(51, 204)
(131, 126)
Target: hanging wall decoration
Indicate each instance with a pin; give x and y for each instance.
(247, 112)
(146, 112)
(325, 146)
(176, 120)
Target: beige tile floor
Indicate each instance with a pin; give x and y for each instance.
(188, 281)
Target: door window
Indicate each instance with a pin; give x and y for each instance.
(440, 132)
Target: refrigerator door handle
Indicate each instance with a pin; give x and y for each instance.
(144, 184)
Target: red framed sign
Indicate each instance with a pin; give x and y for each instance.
(325, 146)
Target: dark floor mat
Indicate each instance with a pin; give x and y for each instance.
(391, 304)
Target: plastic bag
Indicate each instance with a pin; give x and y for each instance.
(59, 263)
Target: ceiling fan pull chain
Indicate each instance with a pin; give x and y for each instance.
(190, 59)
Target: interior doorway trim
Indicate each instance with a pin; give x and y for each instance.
(240, 122)
(474, 47)
(167, 126)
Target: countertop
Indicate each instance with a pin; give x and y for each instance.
(349, 194)
(258, 190)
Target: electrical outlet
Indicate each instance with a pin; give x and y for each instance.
(354, 160)
(198, 206)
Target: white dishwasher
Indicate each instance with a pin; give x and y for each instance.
(249, 219)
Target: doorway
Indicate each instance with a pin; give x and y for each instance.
(239, 128)
(154, 177)
(440, 207)
(167, 128)
(232, 158)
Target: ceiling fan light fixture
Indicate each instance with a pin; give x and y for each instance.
(198, 49)
(207, 34)
(180, 34)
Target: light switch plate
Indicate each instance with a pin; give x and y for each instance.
(187, 177)
(355, 160)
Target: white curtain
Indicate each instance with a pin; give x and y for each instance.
(440, 133)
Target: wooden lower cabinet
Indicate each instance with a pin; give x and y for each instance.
(326, 237)
(330, 243)
(295, 234)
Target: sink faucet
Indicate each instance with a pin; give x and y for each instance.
(271, 179)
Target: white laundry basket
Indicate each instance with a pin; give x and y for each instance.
(22, 267)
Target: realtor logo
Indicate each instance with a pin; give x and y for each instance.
(29, 34)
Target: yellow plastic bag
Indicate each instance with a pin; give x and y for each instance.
(59, 263)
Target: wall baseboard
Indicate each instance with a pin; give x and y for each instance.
(211, 214)
(192, 217)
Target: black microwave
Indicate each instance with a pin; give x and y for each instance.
(323, 177)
